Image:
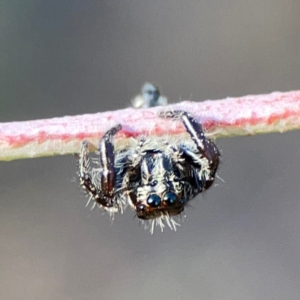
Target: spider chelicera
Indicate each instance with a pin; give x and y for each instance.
(157, 177)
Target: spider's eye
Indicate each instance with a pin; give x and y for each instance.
(170, 198)
(140, 208)
(154, 200)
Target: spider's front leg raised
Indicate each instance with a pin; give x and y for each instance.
(206, 147)
(103, 194)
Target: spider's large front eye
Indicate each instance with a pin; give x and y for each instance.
(154, 200)
(170, 198)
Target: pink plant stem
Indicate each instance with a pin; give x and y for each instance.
(249, 115)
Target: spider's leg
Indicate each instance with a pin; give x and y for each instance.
(206, 147)
(104, 196)
(107, 162)
(132, 172)
(85, 177)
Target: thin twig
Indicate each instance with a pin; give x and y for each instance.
(249, 115)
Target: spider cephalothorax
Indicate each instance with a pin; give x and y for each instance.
(155, 176)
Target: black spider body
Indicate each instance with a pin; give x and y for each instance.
(156, 177)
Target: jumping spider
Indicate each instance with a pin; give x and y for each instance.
(156, 177)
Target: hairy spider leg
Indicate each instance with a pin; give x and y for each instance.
(85, 178)
(134, 170)
(104, 195)
(107, 162)
(205, 146)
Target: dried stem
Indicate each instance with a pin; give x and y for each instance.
(249, 115)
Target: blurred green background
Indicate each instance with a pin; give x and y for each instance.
(240, 240)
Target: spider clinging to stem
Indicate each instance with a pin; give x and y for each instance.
(157, 177)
